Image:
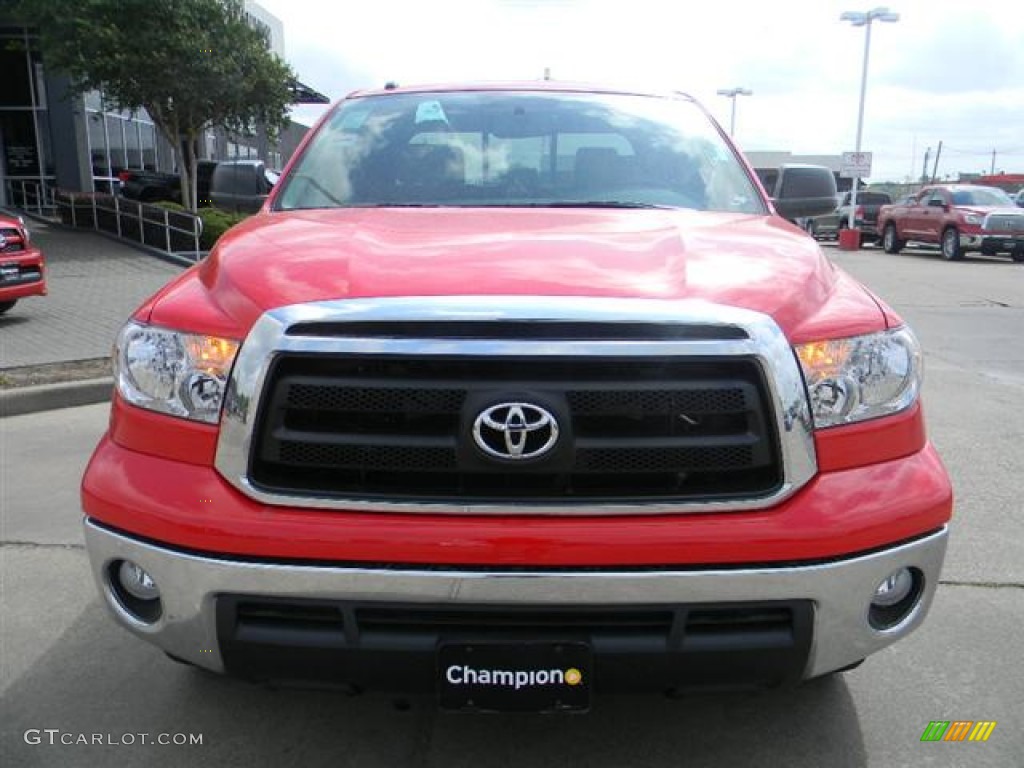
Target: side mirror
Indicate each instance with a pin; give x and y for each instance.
(804, 191)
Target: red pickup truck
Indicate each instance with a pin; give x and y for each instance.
(957, 217)
(515, 394)
(22, 266)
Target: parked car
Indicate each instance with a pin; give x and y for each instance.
(22, 266)
(865, 217)
(241, 185)
(957, 217)
(153, 186)
(514, 395)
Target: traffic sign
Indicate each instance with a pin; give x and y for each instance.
(855, 165)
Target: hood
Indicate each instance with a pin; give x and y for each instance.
(751, 261)
(983, 210)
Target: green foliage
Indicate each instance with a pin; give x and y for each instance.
(215, 222)
(191, 64)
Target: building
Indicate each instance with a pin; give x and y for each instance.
(82, 144)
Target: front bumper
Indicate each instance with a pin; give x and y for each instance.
(191, 586)
(1004, 242)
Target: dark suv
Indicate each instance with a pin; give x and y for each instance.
(241, 185)
(865, 217)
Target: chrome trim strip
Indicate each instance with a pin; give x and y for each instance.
(841, 591)
(765, 342)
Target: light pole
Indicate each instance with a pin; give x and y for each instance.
(732, 93)
(863, 19)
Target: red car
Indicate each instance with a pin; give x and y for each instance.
(514, 394)
(959, 218)
(22, 267)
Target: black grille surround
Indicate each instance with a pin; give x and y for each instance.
(397, 428)
(393, 646)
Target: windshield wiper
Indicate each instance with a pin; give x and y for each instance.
(596, 204)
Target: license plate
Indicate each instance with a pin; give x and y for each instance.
(515, 677)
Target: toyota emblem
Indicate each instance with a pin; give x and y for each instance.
(515, 431)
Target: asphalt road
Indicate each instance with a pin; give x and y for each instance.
(64, 665)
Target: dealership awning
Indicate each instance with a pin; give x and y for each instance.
(303, 94)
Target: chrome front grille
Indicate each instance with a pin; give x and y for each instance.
(354, 405)
(400, 429)
(1000, 223)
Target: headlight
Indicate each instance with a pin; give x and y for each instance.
(862, 377)
(182, 374)
(973, 218)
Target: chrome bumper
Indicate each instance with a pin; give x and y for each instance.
(840, 591)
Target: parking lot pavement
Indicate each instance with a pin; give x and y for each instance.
(94, 283)
(65, 666)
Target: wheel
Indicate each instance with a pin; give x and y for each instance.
(951, 250)
(6, 305)
(890, 241)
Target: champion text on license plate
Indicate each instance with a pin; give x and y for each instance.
(515, 677)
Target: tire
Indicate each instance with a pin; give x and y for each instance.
(891, 242)
(6, 305)
(950, 243)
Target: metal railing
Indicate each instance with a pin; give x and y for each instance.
(31, 196)
(176, 233)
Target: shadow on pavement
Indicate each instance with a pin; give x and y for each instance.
(97, 679)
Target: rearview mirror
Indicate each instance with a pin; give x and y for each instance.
(803, 191)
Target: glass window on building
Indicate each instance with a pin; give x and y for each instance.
(98, 145)
(115, 137)
(132, 143)
(17, 88)
(26, 161)
(21, 154)
(148, 136)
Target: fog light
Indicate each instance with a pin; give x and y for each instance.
(894, 587)
(137, 582)
(895, 598)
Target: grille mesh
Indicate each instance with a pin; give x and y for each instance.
(401, 429)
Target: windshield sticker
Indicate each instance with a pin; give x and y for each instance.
(430, 111)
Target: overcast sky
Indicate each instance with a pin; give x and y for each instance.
(949, 71)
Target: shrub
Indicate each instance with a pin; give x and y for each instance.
(216, 222)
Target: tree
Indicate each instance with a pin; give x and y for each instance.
(191, 64)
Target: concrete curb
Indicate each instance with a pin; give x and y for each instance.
(47, 397)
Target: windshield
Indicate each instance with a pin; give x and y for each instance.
(519, 149)
(981, 196)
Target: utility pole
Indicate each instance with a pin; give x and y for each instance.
(992, 170)
(935, 168)
(924, 168)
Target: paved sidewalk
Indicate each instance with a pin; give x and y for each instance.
(94, 282)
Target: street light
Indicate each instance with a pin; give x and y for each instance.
(864, 19)
(732, 93)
